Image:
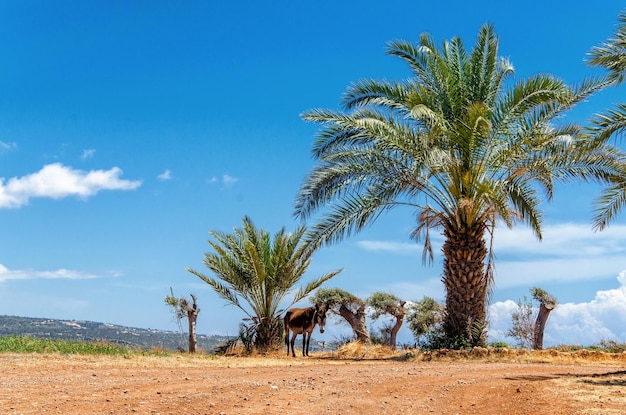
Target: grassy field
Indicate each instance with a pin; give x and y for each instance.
(21, 344)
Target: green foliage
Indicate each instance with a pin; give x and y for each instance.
(523, 328)
(385, 304)
(499, 345)
(436, 339)
(424, 316)
(255, 272)
(333, 298)
(611, 346)
(543, 297)
(611, 54)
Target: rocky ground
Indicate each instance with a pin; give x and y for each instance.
(181, 384)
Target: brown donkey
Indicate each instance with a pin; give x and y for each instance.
(303, 321)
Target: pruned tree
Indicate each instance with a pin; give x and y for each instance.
(388, 304)
(529, 323)
(547, 303)
(189, 310)
(348, 306)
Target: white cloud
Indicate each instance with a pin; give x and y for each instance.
(4, 146)
(57, 181)
(68, 274)
(603, 318)
(229, 180)
(570, 239)
(166, 175)
(87, 154)
(226, 180)
(568, 252)
(409, 290)
(391, 247)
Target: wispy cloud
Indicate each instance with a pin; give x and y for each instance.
(57, 181)
(166, 175)
(68, 274)
(229, 180)
(226, 180)
(87, 154)
(568, 252)
(4, 146)
(391, 247)
(603, 318)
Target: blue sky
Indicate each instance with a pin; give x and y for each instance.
(129, 130)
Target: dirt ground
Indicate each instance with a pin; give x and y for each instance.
(181, 384)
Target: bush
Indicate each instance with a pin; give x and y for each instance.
(499, 345)
(611, 346)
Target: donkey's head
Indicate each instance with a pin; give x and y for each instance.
(320, 316)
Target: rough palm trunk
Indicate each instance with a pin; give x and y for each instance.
(357, 322)
(466, 284)
(268, 334)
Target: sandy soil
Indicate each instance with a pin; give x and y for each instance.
(54, 384)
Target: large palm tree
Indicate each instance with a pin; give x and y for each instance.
(457, 146)
(255, 272)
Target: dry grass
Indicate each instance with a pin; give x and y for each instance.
(359, 351)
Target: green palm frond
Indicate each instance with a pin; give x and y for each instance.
(612, 53)
(609, 124)
(609, 204)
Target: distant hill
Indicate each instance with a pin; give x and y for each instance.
(46, 328)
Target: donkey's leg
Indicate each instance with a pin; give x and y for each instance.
(304, 342)
(293, 340)
(308, 342)
(287, 339)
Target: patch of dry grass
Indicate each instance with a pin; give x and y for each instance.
(360, 351)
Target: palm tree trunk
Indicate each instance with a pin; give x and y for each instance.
(466, 284)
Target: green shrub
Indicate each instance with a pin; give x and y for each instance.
(499, 345)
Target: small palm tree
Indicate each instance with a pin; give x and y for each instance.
(255, 272)
(461, 148)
